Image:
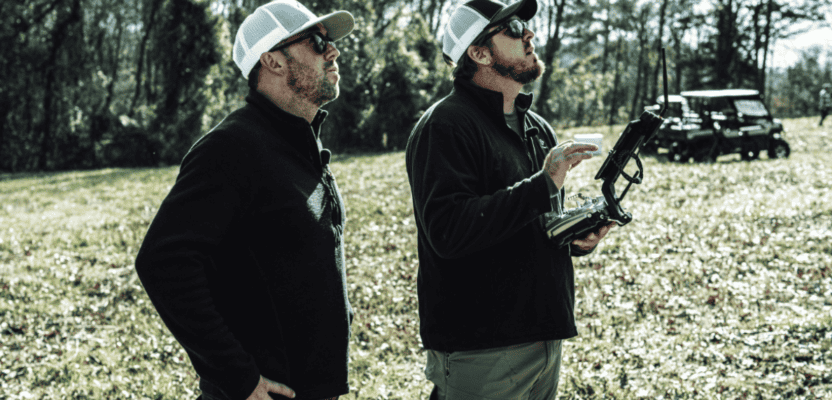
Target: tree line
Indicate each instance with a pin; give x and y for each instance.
(97, 83)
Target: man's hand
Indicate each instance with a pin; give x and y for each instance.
(266, 385)
(591, 240)
(564, 157)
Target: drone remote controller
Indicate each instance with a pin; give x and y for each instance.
(577, 223)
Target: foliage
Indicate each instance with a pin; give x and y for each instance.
(734, 53)
(184, 49)
(409, 77)
(48, 116)
(97, 83)
(795, 91)
(67, 91)
(389, 75)
(719, 288)
(578, 100)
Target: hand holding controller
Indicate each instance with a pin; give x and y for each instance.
(564, 157)
(585, 225)
(593, 238)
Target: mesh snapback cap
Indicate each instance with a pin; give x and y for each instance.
(271, 23)
(469, 21)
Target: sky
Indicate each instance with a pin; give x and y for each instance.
(787, 51)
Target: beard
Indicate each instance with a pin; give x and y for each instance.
(521, 71)
(303, 81)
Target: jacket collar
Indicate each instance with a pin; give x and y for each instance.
(491, 102)
(278, 115)
(291, 127)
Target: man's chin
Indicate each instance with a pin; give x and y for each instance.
(530, 75)
(333, 93)
(327, 91)
(334, 96)
(533, 70)
(327, 97)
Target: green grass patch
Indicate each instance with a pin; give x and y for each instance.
(719, 288)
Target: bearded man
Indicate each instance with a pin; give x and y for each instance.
(496, 297)
(245, 259)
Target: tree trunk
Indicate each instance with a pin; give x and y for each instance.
(761, 85)
(114, 63)
(724, 62)
(606, 51)
(5, 109)
(154, 8)
(435, 15)
(659, 43)
(615, 82)
(638, 83)
(641, 64)
(59, 35)
(551, 50)
(755, 53)
(677, 35)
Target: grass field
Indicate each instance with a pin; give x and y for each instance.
(721, 288)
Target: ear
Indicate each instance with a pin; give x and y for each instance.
(480, 54)
(274, 62)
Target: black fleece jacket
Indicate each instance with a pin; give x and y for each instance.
(245, 260)
(488, 276)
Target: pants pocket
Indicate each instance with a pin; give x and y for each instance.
(436, 367)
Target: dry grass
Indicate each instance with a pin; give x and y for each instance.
(720, 287)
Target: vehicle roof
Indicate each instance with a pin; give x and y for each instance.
(673, 98)
(721, 93)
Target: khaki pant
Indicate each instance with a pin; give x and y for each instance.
(528, 371)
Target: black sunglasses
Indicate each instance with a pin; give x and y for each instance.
(319, 42)
(514, 28)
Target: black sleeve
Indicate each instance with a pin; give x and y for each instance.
(442, 165)
(180, 246)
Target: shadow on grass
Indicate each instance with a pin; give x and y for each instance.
(346, 156)
(78, 178)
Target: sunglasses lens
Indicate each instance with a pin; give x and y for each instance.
(516, 29)
(319, 43)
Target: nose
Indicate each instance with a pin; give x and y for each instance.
(332, 52)
(528, 35)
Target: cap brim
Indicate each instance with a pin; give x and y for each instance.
(337, 24)
(523, 9)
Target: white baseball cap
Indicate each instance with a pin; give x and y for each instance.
(472, 18)
(272, 23)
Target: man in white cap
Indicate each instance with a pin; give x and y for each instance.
(245, 259)
(496, 296)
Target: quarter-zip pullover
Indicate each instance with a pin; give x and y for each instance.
(244, 260)
(488, 276)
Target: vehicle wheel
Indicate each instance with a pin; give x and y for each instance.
(750, 154)
(679, 158)
(778, 149)
(649, 149)
(704, 157)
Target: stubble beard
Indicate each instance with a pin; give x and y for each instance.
(517, 70)
(301, 79)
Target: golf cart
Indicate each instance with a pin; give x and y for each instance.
(705, 124)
